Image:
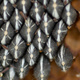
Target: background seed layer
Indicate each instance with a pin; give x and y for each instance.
(32, 33)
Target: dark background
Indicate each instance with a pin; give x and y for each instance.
(72, 41)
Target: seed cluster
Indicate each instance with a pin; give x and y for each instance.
(31, 34)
